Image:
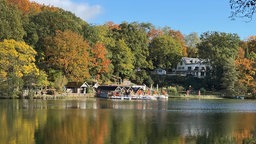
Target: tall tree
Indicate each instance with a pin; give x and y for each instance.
(99, 33)
(100, 64)
(251, 46)
(165, 51)
(178, 36)
(221, 49)
(10, 22)
(122, 60)
(67, 51)
(46, 23)
(191, 41)
(136, 39)
(247, 75)
(17, 60)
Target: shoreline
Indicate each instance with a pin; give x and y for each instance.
(83, 96)
(197, 97)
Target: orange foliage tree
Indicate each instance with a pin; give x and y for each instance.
(28, 7)
(154, 33)
(100, 62)
(112, 25)
(67, 51)
(177, 35)
(247, 71)
(23, 5)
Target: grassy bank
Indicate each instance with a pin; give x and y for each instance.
(197, 96)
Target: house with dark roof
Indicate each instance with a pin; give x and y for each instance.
(192, 67)
(106, 91)
(76, 87)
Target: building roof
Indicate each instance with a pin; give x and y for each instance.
(109, 88)
(74, 85)
(188, 60)
(77, 85)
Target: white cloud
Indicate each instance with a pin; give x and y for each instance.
(82, 10)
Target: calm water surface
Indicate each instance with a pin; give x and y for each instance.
(101, 121)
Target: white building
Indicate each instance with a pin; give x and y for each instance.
(159, 71)
(192, 66)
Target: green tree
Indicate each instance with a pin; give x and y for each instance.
(165, 52)
(251, 46)
(221, 49)
(42, 80)
(122, 60)
(142, 77)
(99, 33)
(135, 37)
(10, 22)
(229, 76)
(191, 41)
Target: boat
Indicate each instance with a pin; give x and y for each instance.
(162, 97)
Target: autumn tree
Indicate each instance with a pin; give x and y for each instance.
(247, 73)
(17, 60)
(30, 8)
(100, 64)
(46, 23)
(68, 51)
(178, 36)
(251, 47)
(154, 33)
(23, 5)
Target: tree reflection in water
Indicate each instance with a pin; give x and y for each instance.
(112, 122)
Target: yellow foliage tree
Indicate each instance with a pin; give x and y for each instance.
(17, 60)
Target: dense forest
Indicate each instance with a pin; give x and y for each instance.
(46, 47)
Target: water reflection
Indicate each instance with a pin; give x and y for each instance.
(100, 121)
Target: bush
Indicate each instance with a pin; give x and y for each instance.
(172, 90)
(203, 90)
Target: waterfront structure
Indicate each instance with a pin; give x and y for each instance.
(76, 87)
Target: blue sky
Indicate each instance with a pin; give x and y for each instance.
(186, 16)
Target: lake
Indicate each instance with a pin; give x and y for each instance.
(103, 121)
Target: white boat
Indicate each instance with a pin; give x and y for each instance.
(162, 97)
(148, 97)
